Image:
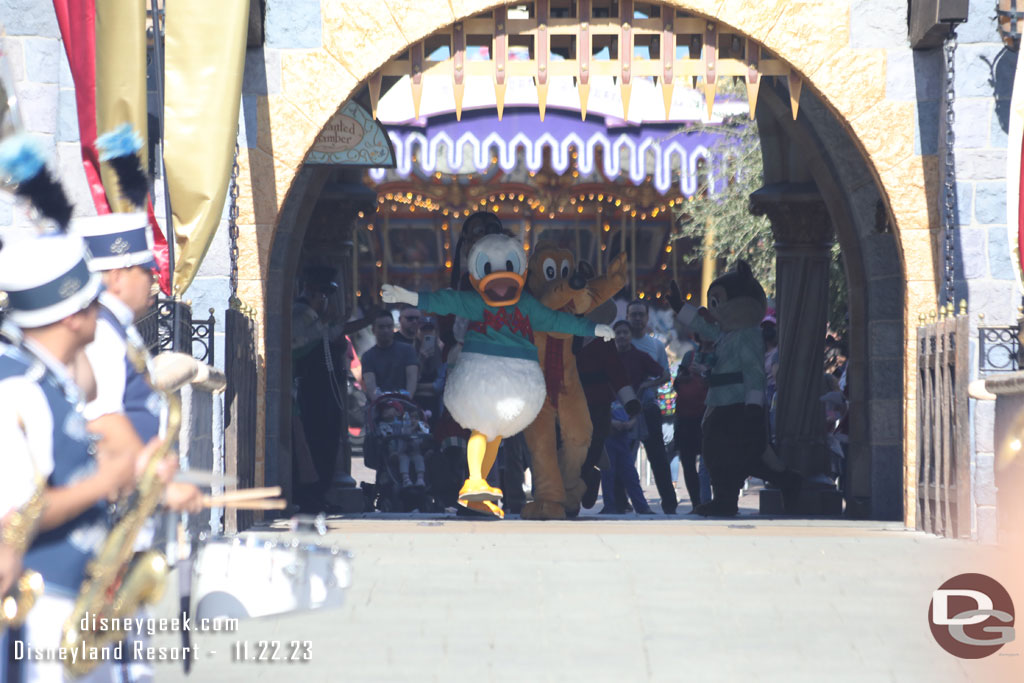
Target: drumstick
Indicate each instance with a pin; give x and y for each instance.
(270, 504)
(246, 494)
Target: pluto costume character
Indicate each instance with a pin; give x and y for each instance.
(735, 432)
(558, 284)
(496, 388)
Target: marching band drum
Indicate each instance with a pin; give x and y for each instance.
(260, 574)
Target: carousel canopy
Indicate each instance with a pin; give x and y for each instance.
(664, 152)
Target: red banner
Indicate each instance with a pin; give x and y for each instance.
(77, 21)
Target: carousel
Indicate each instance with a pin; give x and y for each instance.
(599, 183)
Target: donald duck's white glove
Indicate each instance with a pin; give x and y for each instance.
(393, 294)
(604, 332)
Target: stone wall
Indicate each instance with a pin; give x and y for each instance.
(36, 61)
(985, 272)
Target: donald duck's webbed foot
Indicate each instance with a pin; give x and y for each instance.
(485, 506)
(478, 490)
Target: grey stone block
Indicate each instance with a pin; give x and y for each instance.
(971, 123)
(997, 299)
(262, 75)
(926, 128)
(881, 257)
(885, 298)
(999, 135)
(964, 202)
(885, 339)
(886, 419)
(217, 261)
(886, 379)
(1000, 261)
(984, 426)
(67, 116)
(15, 57)
(981, 25)
(987, 524)
(971, 254)
(901, 79)
(65, 79)
(887, 475)
(42, 59)
(292, 24)
(977, 70)
(985, 479)
(878, 23)
(37, 103)
(981, 164)
(990, 203)
(29, 18)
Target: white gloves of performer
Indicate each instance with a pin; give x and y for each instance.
(393, 294)
(604, 332)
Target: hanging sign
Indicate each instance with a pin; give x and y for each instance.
(352, 138)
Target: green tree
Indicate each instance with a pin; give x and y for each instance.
(735, 170)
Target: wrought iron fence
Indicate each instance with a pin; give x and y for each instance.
(998, 349)
(240, 409)
(157, 331)
(943, 457)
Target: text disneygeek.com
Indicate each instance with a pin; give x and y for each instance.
(130, 648)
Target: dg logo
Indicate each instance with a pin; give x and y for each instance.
(971, 616)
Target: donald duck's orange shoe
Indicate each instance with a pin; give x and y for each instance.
(478, 490)
(485, 506)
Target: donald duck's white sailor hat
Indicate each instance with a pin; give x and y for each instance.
(46, 279)
(117, 240)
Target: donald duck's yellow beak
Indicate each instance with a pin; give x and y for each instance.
(500, 288)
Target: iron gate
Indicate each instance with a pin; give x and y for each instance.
(943, 456)
(240, 410)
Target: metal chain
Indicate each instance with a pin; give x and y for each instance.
(233, 224)
(949, 203)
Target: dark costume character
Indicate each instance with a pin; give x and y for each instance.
(735, 428)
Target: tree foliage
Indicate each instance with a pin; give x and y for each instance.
(721, 204)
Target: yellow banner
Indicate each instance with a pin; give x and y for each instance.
(120, 78)
(205, 56)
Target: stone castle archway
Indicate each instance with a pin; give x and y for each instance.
(875, 184)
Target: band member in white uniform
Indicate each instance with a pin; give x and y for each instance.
(52, 300)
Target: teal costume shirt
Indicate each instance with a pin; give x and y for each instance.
(505, 331)
(737, 375)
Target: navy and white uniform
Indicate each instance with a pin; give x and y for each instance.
(120, 388)
(44, 432)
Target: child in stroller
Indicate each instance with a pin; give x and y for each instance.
(401, 435)
(397, 445)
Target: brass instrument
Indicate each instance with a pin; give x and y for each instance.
(118, 580)
(18, 534)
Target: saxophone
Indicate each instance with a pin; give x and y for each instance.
(118, 580)
(18, 534)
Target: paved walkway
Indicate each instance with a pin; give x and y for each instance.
(660, 599)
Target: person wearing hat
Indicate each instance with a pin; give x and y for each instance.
(52, 306)
(319, 367)
(126, 410)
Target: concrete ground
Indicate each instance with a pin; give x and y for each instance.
(597, 599)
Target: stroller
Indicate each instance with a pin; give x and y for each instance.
(397, 445)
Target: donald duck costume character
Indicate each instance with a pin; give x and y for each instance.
(496, 388)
